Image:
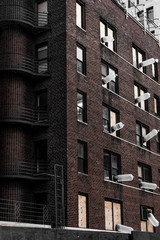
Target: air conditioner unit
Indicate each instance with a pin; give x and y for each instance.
(117, 126)
(109, 78)
(150, 135)
(123, 228)
(107, 39)
(148, 62)
(143, 97)
(153, 220)
(124, 177)
(148, 185)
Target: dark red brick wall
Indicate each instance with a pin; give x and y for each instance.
(128, 32)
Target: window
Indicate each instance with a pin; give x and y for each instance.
(80, 14)
(112, 165)
(82, 157)
(81, 58)
(107, 69)
(138, 57)
(107, 30)
(42, 54)
(41, 156)
(158, 142)
(141, 131)
(156, 105)
(155, 71)
(159, 178)
(41, 114)
(113, 214)
(144, 172)
(139, 91)
(141, 16)
(42, 8)
(150, 18)
(81, 107)
(146, 225)
(82, 210)
(110, 118)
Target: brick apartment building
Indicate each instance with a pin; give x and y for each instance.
(60, 149)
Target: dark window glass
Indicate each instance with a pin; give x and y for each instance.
(158, 142)
(107, 30)
(82, 157)
(81, 107)
(112, 165)
(107, 69)
(139, 90)
(42, 56)
(41, 156)
(144, 173)
(110, 118)
(42, 105)
(141, 131)
(81, 56)
(138, 56)
(155, 71)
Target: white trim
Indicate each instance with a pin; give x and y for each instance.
(82, 122)
(21, 224)
(81, 28)
(145, 149)
(84, 174)
(133, 104)
(129, 186)
(81, 74)
(131, 64)
(89, 230)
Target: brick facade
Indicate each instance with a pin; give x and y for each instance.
(19, 87)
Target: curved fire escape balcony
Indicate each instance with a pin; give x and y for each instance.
(24, 65)
(26, 17)
(24, 169)
(24, 115)
(24, 212)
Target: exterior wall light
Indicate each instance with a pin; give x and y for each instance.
(143, 97)
(150, 135)
(117, 126)
(148, 62)
(123, 228)
(124, 177)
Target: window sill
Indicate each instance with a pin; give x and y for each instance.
(82, 122)
(81, 74)
(81, 28)
(129, 186)
(83, 174)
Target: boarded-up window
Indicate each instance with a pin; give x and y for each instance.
(82, 211)
(146, 225)
(112, 214)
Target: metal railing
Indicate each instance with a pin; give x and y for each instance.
(138, 13)
(23, 167)
(22, 113)
(21, 14)
(24, 212)
(22, 63)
